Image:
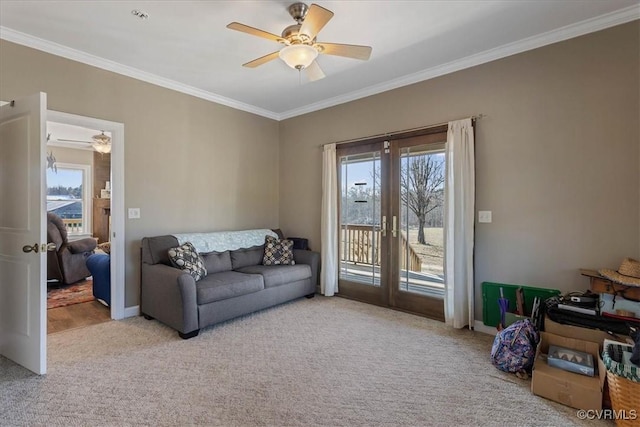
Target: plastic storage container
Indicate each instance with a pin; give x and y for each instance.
(491, 293)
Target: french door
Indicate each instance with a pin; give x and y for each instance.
(391, 222)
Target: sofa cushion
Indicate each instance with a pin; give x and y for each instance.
(227, 284)
(216, 262)
(154, 249)
(278, 252)
(276, 275)
(186, 258)
(245, 257)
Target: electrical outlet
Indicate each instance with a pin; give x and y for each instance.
(484, 216)
(134, 213)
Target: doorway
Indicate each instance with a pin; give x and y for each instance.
(391, 237)
(23, 304)
(103, 215)
(77, 204)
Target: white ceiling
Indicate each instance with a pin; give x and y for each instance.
(71, 136)
(185, 45)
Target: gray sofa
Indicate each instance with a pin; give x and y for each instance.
(236, 284)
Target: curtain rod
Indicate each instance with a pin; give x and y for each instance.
(473, 118)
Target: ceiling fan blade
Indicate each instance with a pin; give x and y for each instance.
(71, 140)
(314, 72)
(347, 50)
(263, 59)
(317, 17)
(254, 31)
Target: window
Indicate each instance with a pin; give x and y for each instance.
(68, 196)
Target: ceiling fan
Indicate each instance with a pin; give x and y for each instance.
(301, 48)
(101, 143)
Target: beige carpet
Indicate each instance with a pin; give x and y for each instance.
(324, 361)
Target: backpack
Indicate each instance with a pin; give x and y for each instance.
(514, 347)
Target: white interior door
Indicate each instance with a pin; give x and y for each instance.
(23, 232)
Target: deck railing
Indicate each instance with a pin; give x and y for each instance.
(360, 244)
(74, 225)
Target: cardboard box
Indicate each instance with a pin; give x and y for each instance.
(577, 332)
(568, 388)
(592, 335)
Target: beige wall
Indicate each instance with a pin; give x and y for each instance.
(557, 157)
(190, 165)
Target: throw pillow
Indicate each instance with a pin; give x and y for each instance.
(186, 258)
(278, 252)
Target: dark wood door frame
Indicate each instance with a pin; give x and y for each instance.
(386, 295)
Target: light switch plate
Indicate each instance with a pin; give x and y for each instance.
(484, 216)
(134, 213)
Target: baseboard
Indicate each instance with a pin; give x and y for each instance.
(481, 327)
(132, 311)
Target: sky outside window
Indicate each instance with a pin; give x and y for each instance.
(65, 178)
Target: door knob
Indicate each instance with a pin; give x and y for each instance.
(48, 247)
(28, 248)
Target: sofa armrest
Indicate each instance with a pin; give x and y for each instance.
(169, 295)
(310, 258)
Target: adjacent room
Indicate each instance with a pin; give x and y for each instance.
(452, 186)
(78, 209)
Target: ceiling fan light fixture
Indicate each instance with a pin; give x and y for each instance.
(101, 147)
(298, 56)
(102, 138)
(101, 143)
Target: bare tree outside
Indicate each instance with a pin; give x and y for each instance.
(422, 187)
(420, 218)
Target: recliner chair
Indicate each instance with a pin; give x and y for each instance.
(67, 263)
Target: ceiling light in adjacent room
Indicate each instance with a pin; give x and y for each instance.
(102, 143)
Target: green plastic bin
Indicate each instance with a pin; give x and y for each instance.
(491, 293)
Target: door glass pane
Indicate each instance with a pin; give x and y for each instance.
(421, 232)
(360, 218)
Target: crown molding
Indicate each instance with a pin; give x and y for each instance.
(602, 22)
(105, 64)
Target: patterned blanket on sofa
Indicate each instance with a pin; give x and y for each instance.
(221, 241)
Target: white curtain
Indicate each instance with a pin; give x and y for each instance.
(329, 222)
(459, 222)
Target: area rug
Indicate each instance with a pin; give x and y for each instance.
(70, 294)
